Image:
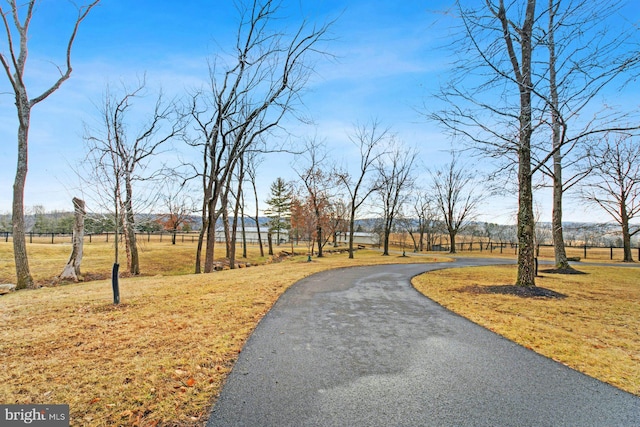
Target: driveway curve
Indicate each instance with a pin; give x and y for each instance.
(361, 347)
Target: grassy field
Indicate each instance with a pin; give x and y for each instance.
(47, 260)
(161, 357)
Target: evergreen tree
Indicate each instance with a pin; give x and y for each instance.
(279, 211)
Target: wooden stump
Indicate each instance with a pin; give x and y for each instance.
(72, 269)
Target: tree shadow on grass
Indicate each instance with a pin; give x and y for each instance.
(562, 271)
(519, 291)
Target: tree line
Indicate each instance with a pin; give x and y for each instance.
(525, 76)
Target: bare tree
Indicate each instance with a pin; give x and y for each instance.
(368, 138)
(14, 64)
(457, 197)
(252, 165)
(304, 222)
(615, 184)
(119, 158)
(395, 181)
(179, 207)
(249, 93)
(426, 215)
(310, 168)
(585, 56)
(336, 219)
(496, 114)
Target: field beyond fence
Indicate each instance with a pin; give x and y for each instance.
(581, 252)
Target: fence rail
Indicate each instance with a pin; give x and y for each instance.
(573, 252)
(165, 236)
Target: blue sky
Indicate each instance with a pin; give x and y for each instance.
(387, 61)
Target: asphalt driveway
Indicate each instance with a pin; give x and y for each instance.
(361, 347)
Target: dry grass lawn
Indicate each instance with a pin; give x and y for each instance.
(47, 260)
(595, 330)
(161, 356)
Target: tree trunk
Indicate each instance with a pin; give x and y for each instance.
(319, 232)
(211, 237)
(352, 224)
(557, 136)
(244, 231)
(132, 243)
(414, 241)
(127, 247)
(387, 232)
(135, 258)
(201, 234)
(626, 235)
(452, 241)
(231, 245)
(526, 249)
(23, 275)
(234, 227)
(385, 247)
(226, 227)
(556, 224)
(72, 270)
(255, 194)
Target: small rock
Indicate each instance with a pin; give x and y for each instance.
(6, 288)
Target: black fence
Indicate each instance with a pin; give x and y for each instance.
(580, 252)
(103, 237)
(156, 236)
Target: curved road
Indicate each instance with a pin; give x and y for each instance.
(361, 347)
